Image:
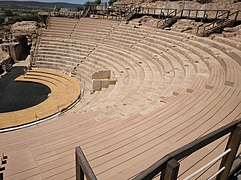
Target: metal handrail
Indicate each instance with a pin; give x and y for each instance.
(235, 14)
(217, 18)
(132, 11)
(227, 12)
(218, 22)
(234, 128)
(173, 12)
(207, 165)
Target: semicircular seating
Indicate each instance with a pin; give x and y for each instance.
(171, 89)
(64, 92)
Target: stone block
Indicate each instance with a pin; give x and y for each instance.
(102, 74)
(189, 90)
(208, 87)
(105, 83)
(229, 83)
(96, 85)
(113, 81)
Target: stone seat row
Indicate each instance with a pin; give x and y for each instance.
(125, 146)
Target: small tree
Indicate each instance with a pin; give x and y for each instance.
(88, 3)
(97, 2)
(57, 9)
(111, 2)
(8, 13)
(1, 19)
(80, 8)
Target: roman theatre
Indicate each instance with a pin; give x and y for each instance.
(127, 93)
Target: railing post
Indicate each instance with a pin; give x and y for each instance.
(216, 14)
(1, 175)
(160, 14)
(181, 13)
(236, 16)
(228, 14)
(233, 144)
(189, 12)
(204, 14)
(79, 171)
(196, 13)
(83, 168)
(171, 171)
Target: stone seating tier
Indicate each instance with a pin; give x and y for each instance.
(60, 98)
(171, 89)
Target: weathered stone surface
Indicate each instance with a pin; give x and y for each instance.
(233, 33)
(96, 85)
(183, 25)
(102, 74)
(24, 28)
(229, 29)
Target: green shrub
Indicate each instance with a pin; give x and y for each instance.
(111, 2)
(8, 13)
(1, 19)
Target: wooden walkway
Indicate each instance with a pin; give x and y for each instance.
(171, 89)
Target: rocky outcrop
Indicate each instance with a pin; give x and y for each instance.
(234, 33)
(186, 25)
(24, 28)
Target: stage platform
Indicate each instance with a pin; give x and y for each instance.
(65, 91)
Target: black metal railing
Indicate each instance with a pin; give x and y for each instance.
(171, 18)
(127, 12)
(131, 12)
(201, 14)
(223, 20)
(236, 168)
(86, 11)
(234, 16)
(168, 166)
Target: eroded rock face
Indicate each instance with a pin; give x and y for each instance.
(24, 28)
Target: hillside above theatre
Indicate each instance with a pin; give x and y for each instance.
(37, 5)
